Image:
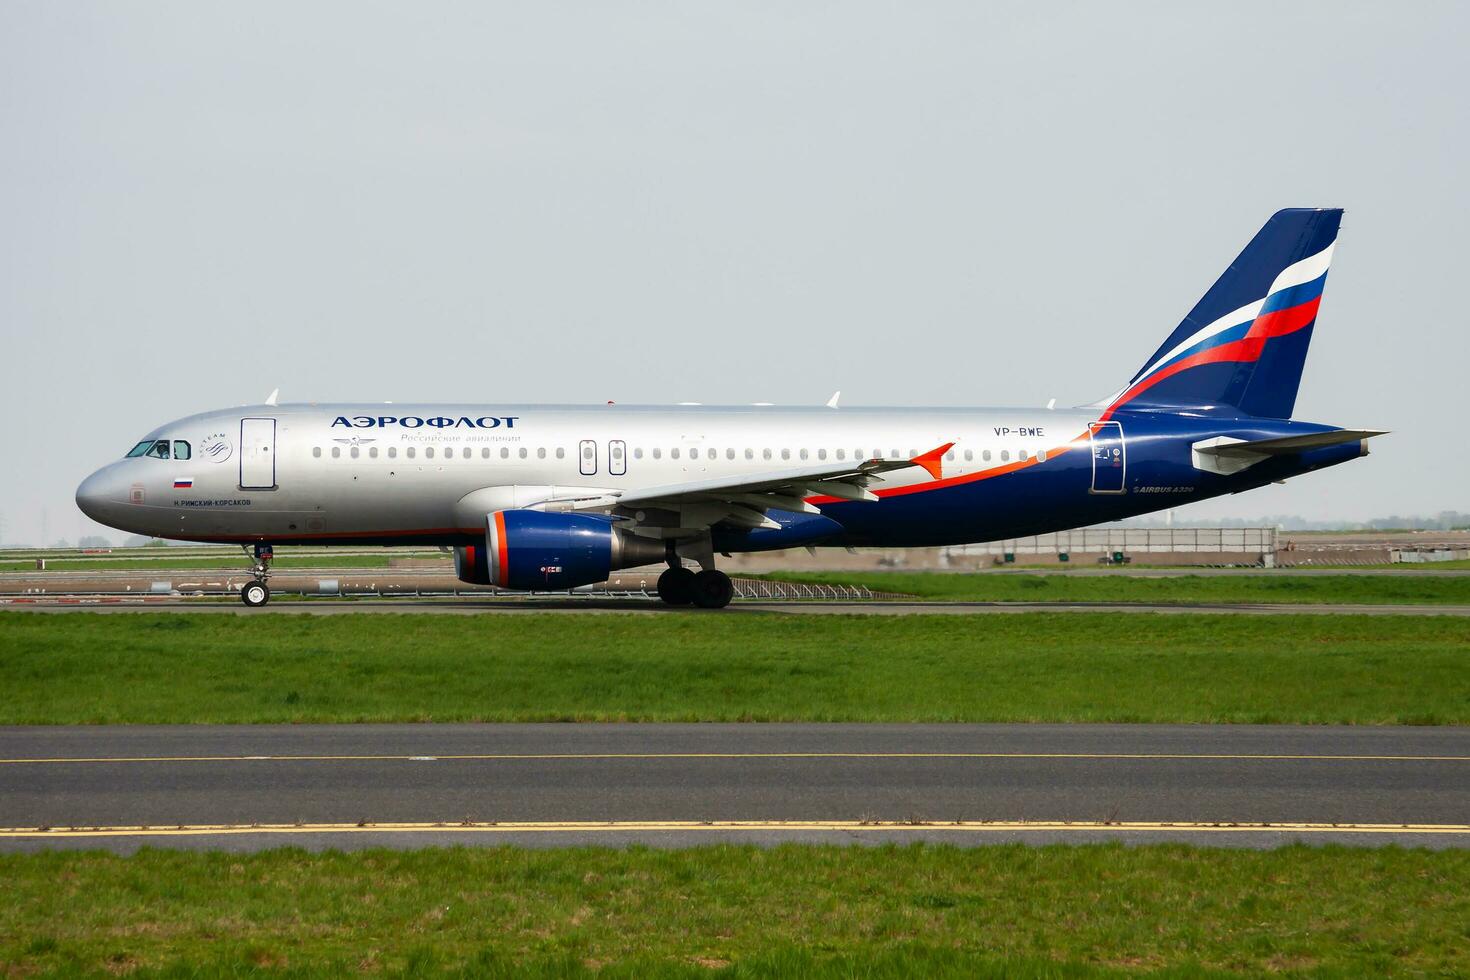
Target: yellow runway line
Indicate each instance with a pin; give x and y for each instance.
(689, 826)
(655, 756)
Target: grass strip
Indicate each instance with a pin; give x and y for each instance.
(920, 910)
(79, 668)
(1265, 586)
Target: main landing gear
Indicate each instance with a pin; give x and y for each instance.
(256, 594)
(709, 589)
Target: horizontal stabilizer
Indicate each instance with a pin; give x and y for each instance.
(1226, 455)
(1286, 444)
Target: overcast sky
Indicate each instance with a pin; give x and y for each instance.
(917, 203)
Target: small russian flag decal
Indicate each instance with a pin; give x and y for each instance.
(184, 483)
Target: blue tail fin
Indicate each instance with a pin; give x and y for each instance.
(1241, 349)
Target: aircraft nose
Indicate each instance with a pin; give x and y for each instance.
(100, 494)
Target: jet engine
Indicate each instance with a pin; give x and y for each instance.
(533, 550)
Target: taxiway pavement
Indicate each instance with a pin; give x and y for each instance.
(249, 787)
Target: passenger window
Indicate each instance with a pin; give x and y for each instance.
(729, 454)
(821, 454)
(803, 454)
(316, 451)
(1005, 455)
(373, 452)
(355, 452)
(638, 454)
(694, 453)
(505, 452)
(765, 454)
(428, 452)
(750, 454)
(969, 455)
(336, 452)
(485, 453)
(561, 453)
(392, 452)
(674, 453)
(785, 454)
(949, 455)
(1041, 455)
(658, 454)
(181, 449)
(842, 454)
(1023, 456)
(407, 452)
(541, 453)
(522, 453)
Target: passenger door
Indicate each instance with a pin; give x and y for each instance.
(257, 454)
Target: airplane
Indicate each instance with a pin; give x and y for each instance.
(552, 497)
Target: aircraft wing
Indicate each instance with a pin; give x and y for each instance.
(745, 499)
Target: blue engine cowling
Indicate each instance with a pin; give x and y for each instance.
(533, 550)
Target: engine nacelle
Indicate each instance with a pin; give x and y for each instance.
(471, 563)
(533, 550)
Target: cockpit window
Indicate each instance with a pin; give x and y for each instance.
(159, 450)
(181, 449)
(139, 449)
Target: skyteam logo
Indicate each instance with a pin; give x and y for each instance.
(418, 422)
(216, 448)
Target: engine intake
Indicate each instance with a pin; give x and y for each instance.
(532, 550)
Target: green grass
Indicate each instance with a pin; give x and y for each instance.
(1003, 911)
(1271, 587)
(233, 563)
(1054, 667)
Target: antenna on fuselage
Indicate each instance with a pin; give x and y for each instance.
(832, 402)
(275, 393)
(1051, 404)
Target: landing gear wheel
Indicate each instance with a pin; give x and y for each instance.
(255, 594)
(712, 589)
(676, 586)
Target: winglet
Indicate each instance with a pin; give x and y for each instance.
(932, 459)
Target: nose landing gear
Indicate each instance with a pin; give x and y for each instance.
(256, 594)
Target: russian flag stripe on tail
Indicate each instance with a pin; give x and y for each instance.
(1241, 350)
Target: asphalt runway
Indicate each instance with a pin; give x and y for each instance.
(349, 786)
(463, 606)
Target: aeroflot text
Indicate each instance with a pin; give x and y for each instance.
(437, 422)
